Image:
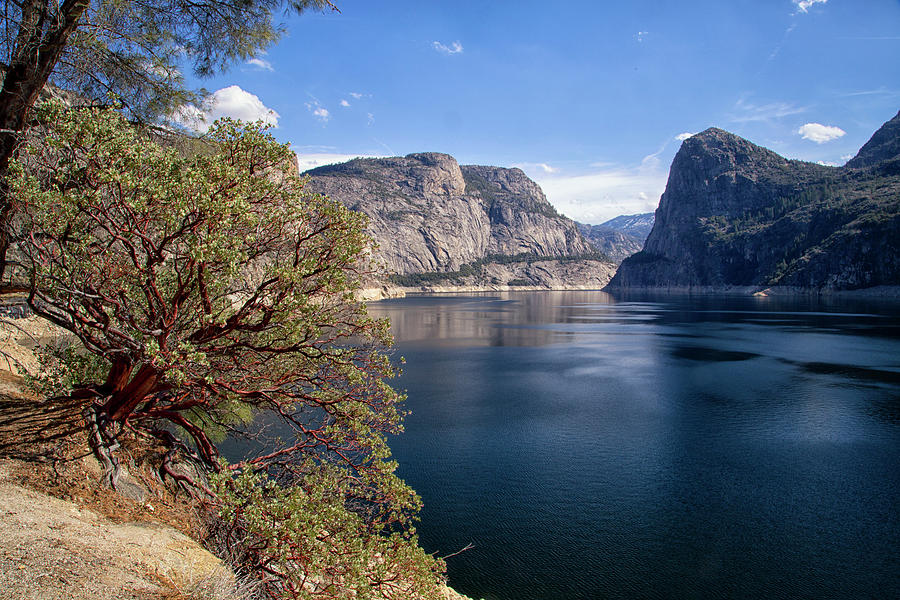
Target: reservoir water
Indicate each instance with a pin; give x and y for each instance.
(596, 447)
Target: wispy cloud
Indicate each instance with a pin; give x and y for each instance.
(879, 92)
(357, 95)
(544, 167)
(803, 6)
(231, 101)
(454, 48)
(606, 192)
(744, 112)
(311, 160)
(314, 149)
(345, 104)
(639, 36)
(683, 136)
(261, 64)
(873, 37)
(818, 133)
(318, 111)
(781, 44)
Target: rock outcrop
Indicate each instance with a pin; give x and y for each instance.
(438, 222)
(735, 215)
(883, 147)
(54, 548)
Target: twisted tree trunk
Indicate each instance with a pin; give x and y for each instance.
(43, 32)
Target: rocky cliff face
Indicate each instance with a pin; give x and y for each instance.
(429, 215)
(883, 147)
(738, 215)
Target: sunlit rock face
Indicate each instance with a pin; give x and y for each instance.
(428, 214)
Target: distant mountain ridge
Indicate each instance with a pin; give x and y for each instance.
(636, 226)
(736, 215)
(439, 223)
(610, 241)
(620, 237)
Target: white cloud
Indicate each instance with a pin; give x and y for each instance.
(639, 36)
(745, 112)
(231, 101)
(651, 161)
(345, 104)
(683, 136)
(804, 5)
(819, 133)
(311, 160)
(454, 48)
(356, 95)
(544, 167)
(318, 111)
(371, 119)
(607, 192)
(237, 103)
(261, 64)
(777, 49)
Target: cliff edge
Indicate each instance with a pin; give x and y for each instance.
(735, 215)
(440, 223)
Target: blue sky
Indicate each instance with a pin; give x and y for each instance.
(587, 97)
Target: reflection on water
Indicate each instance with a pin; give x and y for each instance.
(538, 318)
(501, 319)
(600, 447)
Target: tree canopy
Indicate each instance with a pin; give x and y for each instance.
(135, 49)
(132, 49)
(212, 289)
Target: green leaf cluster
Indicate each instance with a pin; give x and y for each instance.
(315, 544)
(211, 289)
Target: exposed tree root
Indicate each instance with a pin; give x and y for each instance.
(103, 444)
(170, 465)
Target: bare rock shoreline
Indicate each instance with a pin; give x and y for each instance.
(883, 291)
(386, 292)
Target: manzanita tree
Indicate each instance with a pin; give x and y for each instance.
(135, 49)
(212, 289)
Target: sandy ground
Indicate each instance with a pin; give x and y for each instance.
(52, 548)
(64, 536)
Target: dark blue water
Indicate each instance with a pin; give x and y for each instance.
(662, 448)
